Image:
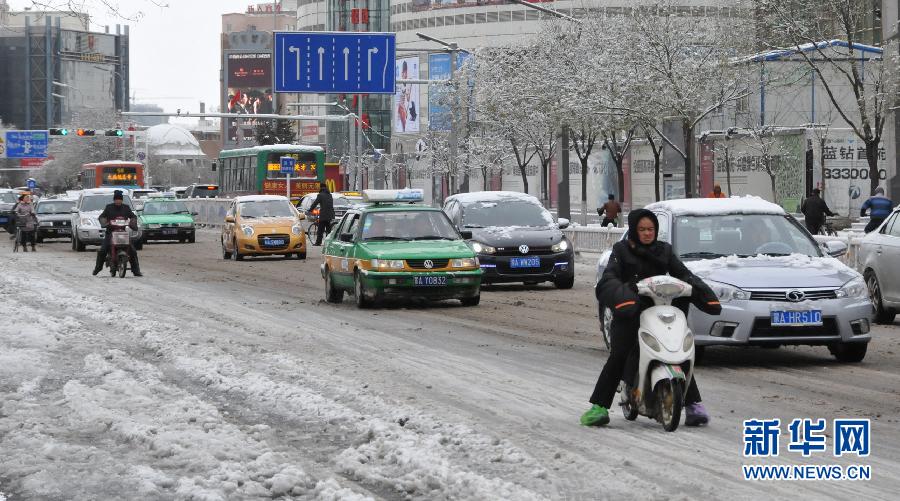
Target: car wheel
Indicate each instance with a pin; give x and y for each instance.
(699, 354)
(332, 294)
(882, 315)
(236, 253)
(606, 325)
(72, 241)
(191, 239)
(79, 245)
(565, 283)
(849, 352)
(301, 255)
(359, 291)
(471, 301)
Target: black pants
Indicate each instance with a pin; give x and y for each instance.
(814, 226)
(324, 228)
(874, 222)
(104, 250)
(608, 221)
(622, 364)
(26, 237)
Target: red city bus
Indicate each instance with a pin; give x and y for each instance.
(113, 174)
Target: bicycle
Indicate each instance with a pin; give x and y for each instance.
(828, 230)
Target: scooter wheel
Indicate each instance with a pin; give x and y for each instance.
(669, 400)
(629, 406)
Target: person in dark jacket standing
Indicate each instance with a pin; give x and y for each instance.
(638, 257)
(325, 203)
(112, 211)
(26, 221)
(879, 207)
(815, 209)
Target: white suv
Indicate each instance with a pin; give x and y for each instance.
(86, 228)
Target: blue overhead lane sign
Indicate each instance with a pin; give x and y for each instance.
(335, 62)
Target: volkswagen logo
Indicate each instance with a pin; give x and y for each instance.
(795, 296)
(523, 249)
(429, 264)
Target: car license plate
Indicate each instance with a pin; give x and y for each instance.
(273, 242)
(429, 281)
(796, 318)
(525, 262)
(62, 231)
(170, 231)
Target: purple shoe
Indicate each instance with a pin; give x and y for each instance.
(696, 415)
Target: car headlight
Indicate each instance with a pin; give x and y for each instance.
(481, 248)
(297, 229)
(248, 230)
(153, 226)
(185, 225)
(561, 246)
(688, 342)
(86, 221)
(726, 292)
(387, 264)
(466, 262)
(650, 341)
(855, 289)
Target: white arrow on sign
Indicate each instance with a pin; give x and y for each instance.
(346, 63)
(296, 50)
(321, 63)
(373, 50)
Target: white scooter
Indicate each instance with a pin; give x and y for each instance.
(666, 363)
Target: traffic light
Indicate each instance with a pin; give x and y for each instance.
(85, 132)
(115, 132)
(59, 132)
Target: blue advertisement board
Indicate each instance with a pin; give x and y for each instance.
(439, 69)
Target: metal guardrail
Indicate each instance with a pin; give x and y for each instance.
(593, 238)
(210, 211)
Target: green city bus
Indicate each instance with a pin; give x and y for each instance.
(257, 170)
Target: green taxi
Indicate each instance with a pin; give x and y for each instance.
(166, 219)
(395, 248)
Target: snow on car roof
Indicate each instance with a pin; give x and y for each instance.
(493, 196)
(717, 206)
(259, 198)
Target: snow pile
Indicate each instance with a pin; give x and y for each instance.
(748, 204)
(494, 196)
(705, 267)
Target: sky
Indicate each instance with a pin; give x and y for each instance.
(175, 49)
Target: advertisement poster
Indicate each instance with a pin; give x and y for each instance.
(406, 100)
(248, 85)
(438, 109)
(845, 175)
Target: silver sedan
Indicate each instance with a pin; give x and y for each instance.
(777, 285)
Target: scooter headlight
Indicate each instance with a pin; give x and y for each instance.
(688, 342)
(650, 341)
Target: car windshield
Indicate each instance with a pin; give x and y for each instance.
(506, 213)
(55, 207)
(266, 208)
(99, 202)
(168, 207)
(8, 198)
(710, 237)
(408, 225)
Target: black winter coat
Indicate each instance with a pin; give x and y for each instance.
(815, 209)
(629, 264)
(113, 211)
(325, 203)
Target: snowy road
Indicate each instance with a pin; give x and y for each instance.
(211, 379)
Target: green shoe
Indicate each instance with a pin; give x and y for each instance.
(595, 416)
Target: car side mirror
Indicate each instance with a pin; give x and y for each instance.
(346, 237)
(563, 223)
(835, 248)
(229, 219)
(301, 216)
(467, 235)
(73, 210)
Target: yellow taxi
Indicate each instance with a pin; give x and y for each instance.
(262, 225)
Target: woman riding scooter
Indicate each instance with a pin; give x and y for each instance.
(638, 257)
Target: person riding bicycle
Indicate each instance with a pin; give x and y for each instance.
(638, 257)
(26, 222)
(117, 209)
(815, 209)
(879, 207)
(325, 203)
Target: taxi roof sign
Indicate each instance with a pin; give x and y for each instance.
(398, 196)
